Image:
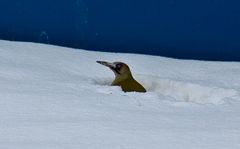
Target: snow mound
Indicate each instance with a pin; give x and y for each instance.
(188, 92)
(40, 62)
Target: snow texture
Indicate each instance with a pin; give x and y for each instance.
(55, 98)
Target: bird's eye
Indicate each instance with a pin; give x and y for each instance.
(118, 66)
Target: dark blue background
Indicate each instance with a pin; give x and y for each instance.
(190, 29)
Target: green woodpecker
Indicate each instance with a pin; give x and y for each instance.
(123, 77)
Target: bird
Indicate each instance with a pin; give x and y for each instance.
(123, 77)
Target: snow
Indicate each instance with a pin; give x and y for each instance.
(55, 98)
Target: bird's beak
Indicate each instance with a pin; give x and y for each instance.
(112, 66)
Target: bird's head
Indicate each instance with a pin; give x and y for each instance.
(120, 69)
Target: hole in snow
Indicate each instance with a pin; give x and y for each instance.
(187, 92)
(177, 91)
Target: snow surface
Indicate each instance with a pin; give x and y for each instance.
(60, 98)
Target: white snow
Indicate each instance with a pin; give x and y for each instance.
(59, 98)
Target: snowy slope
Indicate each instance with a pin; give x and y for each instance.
(55, 98)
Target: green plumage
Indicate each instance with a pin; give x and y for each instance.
(123, 77)
(129, 85)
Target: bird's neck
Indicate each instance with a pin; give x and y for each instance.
(122, 78)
